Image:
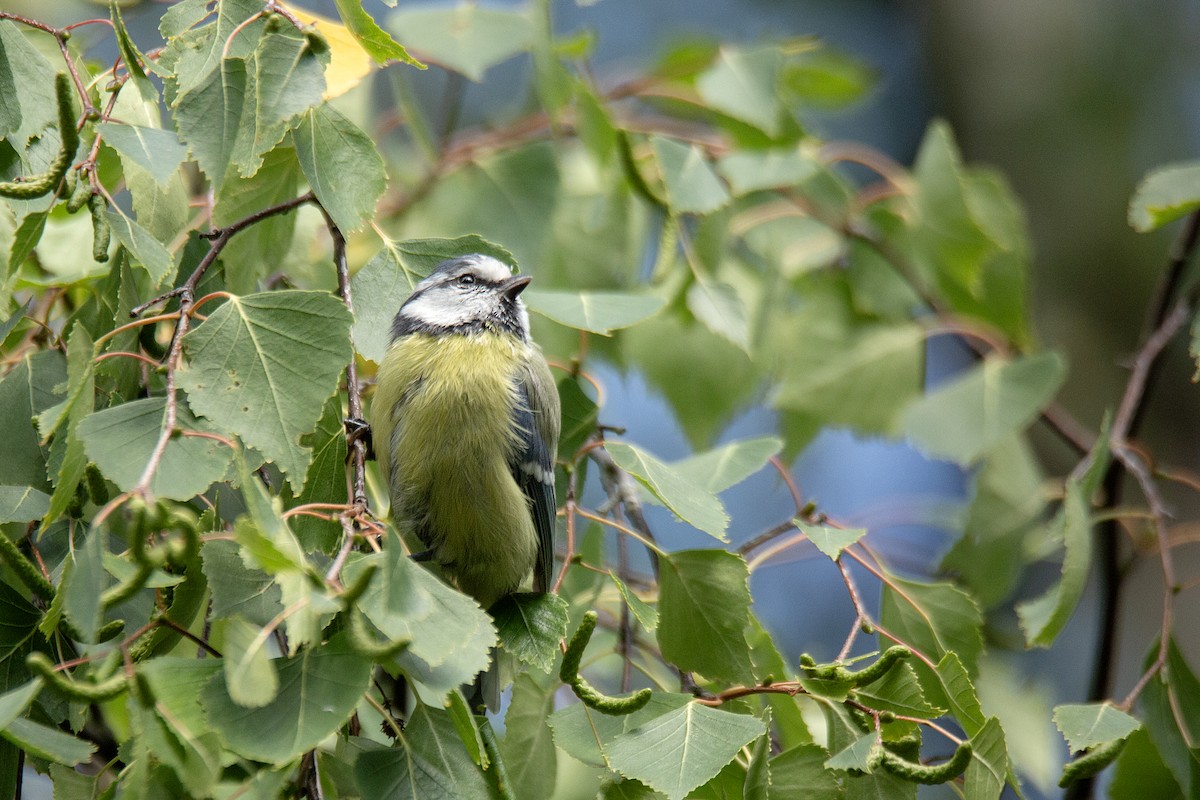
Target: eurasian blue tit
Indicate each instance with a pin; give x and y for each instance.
(465, 424)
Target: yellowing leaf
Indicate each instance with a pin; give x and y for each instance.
(348, 62)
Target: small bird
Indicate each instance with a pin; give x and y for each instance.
(465, 424)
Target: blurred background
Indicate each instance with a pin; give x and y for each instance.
(1073, 102)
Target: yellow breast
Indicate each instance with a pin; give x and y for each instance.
(442, 421)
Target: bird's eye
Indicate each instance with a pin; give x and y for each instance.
(466, 280)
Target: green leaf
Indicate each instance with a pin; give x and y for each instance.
(646, 614)
(1043, 618)
(800, 772)
(1085, 725)
(14, 702)
(1171, 705)
(963, 419)
(157, 151)
(989, 768)
(26, 83)
(584, 733)
(857, 376)
(933, 618)
(121, 439)
(855, 756)
(704, 613)
(236, 588)
(579, 416)
(700, 509)
(754, 170)
(826, 78)
(374, 39)
(682, 749)
(149, 253)
(378, 289)
(81, 399)
(728, 465)
(465, 723)
(263, 532)
(177, 684)
(342, 165)
(528, 746)
(530, 626)
(898, 691)
(22, 504)
(208, 116)
(318, 691)
(420, 256)
(42, 741)
(451, 635)
(967, 237)
(288, 80)
(692, 185)
(250, 675)
(830, 541)
(720, 308)
(950, 687)
(1007, 503)
(429, 762)
(466, 38)
(263, 247)
(1164, 195)
(1140, 772)
(742, 84)
(26, 391)
(598, 312)
(84, 580)
(262, 367)
(325, 481)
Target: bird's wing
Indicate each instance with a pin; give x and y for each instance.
(537, 419)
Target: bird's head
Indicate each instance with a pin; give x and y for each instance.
(466, 294)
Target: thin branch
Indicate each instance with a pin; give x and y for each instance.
(354, 395)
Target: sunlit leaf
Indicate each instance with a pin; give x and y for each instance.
(682, 749)
(688, 501)
(598, 312)
(1086, 725)
(342, 165)
(1164, 195)
(466, 38)
(963, 419)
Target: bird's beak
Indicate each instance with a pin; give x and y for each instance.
(514, 286)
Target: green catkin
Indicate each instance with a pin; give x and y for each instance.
(101, 233)
(569, 671)
(79, 189)
(588, 694)
(96, 487)
(77, 690)
(1091, 762)
(928, 774)
(28, 573)
(888, 659)
(45, 182)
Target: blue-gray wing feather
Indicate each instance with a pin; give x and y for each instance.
(537, 419)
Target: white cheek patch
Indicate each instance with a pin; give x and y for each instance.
(440, 315)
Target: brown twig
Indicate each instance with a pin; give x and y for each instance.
(186, 295)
